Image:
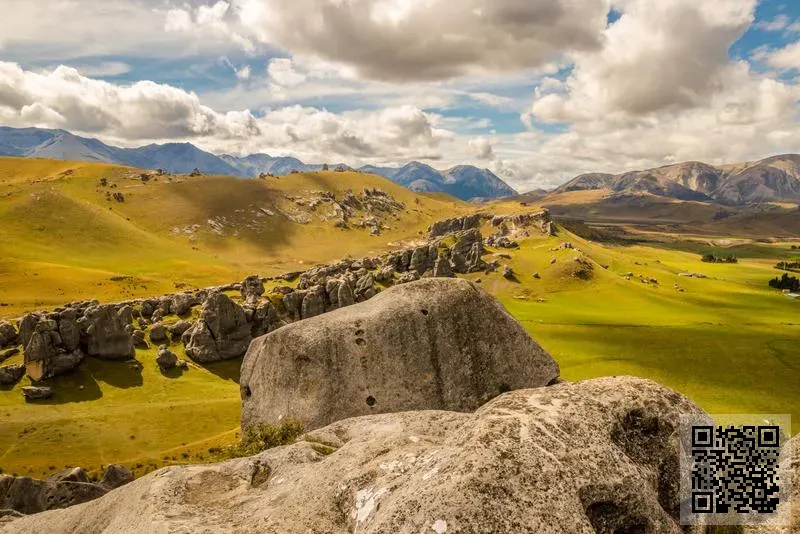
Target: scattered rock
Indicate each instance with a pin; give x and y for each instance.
(593, 456)
(177, 329)
(106, 337)
(420, 345)
(537, 276)
(37, 392)
(11, 374)
(8, 334)
(166, 359)
(158, 333)
(508, 273)
(221, 333)
(252, 289)
(691, 275)
(139, 340)
(30, 496)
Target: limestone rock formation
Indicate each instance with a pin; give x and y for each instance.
(37, 392)
(116, 476)
(459, 224)
(105, 334)
(30, 496)
(11, 374)
(221, 333)
(52, 344)
(586, 457)
(252, 289)
(435, 344)
(166, 359)
(8, 334)
(158, 333)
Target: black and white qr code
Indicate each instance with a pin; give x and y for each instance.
(735, 469)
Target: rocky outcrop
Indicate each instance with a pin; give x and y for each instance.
(593, 456)
(70, 487)
(434, 344)
(11, 374)
(105, 335)
(166, 359)
(8, 334)
(458, 224)
(52, 346)
(221, 333)
(37, 392)
(252, 289)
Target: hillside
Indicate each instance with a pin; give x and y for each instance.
(774, 179)
(63, 236)
(464, 181)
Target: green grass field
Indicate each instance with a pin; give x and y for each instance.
(727, 341)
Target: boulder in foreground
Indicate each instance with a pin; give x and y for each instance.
(593, 456)
(435, 344)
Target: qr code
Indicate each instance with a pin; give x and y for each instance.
(734, 471)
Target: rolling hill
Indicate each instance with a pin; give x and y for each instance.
(64, 236)
(774, 179)
(465, 181)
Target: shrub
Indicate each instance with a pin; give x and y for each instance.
(258, 438)
(713, 258)
(786, 282)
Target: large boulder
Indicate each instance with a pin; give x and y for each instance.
(252, 289)
(598, 456)
(166, 359)
(30, 496)
(221, 333)
(52, 346)
(11, 374)
(105, 335)
(8, 334)
(434, 344)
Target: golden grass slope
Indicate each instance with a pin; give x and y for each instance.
(62, 238)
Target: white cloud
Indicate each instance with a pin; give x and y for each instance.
(282, 73)
(243, 73)
(103, 69)
(786, 58)
(482, 148)
(217, 20)
(401, 40)
(146, 111)
(777, 24)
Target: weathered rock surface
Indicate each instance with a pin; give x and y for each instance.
(166, 359)
(11, 374)
(106, 337)
(8, 334)
(37, 392)
(435, 344)
(458, 224)
(158, 333)
(788, 512)
(221, 333)
(587, 457)
(115, 476)
(252, 289)
(52, 344)
(30, 496)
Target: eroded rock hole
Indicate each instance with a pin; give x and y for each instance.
(246, 393)
(608, 518)
(371, 401)
(361, 342)
(359, 332)
(424, 311)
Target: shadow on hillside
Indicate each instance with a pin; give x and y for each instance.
(118, 374)
(175, 372)
(221, 196)
(227, 370)
(78, 386)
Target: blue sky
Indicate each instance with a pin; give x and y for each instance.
(536, 93)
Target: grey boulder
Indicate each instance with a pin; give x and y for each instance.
(166, 359)
(8, 334)
(438, 343)
(105, 334)
(11, 374)
(221, 333)
(598, 456)
(37, 392)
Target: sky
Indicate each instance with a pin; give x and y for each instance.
(538, 91)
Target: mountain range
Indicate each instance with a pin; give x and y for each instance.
(774, 179)
(464, 181)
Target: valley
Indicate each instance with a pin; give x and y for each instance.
(601, 307)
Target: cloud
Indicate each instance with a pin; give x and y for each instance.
(145, 111)
(103, 69)
(282, 73)
(777, 24)
(657, 56)
(786, 58)
(402, 40)
(217, 20)
(482, 148)
(243, 73)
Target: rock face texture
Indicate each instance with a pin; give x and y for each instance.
(587, 457)
(221, 333)
(437, 343)
(106, 336)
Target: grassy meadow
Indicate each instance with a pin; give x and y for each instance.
(728, 341)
